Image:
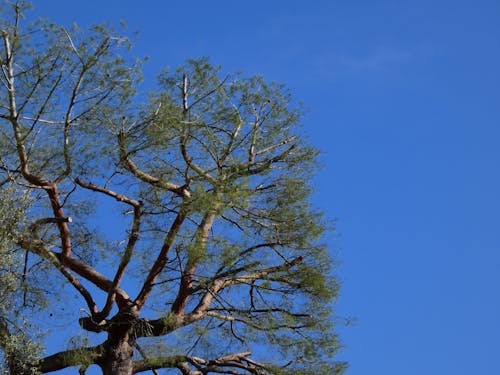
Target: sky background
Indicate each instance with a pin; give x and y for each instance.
(403, 100)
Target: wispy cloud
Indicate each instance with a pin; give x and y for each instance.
(378, 59)
(330, 65)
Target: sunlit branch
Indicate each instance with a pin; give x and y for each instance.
(183, 138)
(204, 304)
(94, 277)
(276, 145)
(201, 236)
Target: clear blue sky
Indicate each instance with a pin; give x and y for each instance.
(404, 101)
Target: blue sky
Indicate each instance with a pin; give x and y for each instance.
(404, 103)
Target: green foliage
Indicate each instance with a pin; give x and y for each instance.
(206, 193)
(10, 216)
(19, 346)
(23, 353)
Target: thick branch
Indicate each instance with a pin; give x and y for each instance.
(158, 363)
(48, 220)
(95, 278)
(82, 269)
(11, 357)
(62, 224)
(168, 324)
(74, 357)
(229, 364)
(185, 287)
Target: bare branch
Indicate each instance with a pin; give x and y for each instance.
(126, 257)
(118, 197)
(47, 220)
(183, 139)
(272, 147)
(204, 305)
(161, 260)
(95, 278)
(189, 161)
(250, 323)
(254, 168)
(62, 225)
(37, 247)
(8, 71)
(132, 167)
(127, 254)
(261, 311)
(72, 44)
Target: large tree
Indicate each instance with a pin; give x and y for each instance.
(181, 220)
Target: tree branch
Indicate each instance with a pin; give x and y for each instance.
(82, 269)
(228, 364)
(39, 248)
(143, 176)
(203, 306)
(253, 168)
(129, 248)
(13, 113)
(161, 260)
(257, 326)
(118, 197)
(74, 357)
(185, 287)
(11, 357)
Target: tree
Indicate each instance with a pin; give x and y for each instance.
(213, 261)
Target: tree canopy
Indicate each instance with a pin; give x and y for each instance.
(175, 228)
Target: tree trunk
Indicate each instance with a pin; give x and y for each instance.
(118, 357)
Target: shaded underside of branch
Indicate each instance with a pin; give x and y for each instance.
(228, 364)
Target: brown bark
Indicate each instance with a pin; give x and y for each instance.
(113, 356)
(75, 357)
(118, 358)
(185, 287)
